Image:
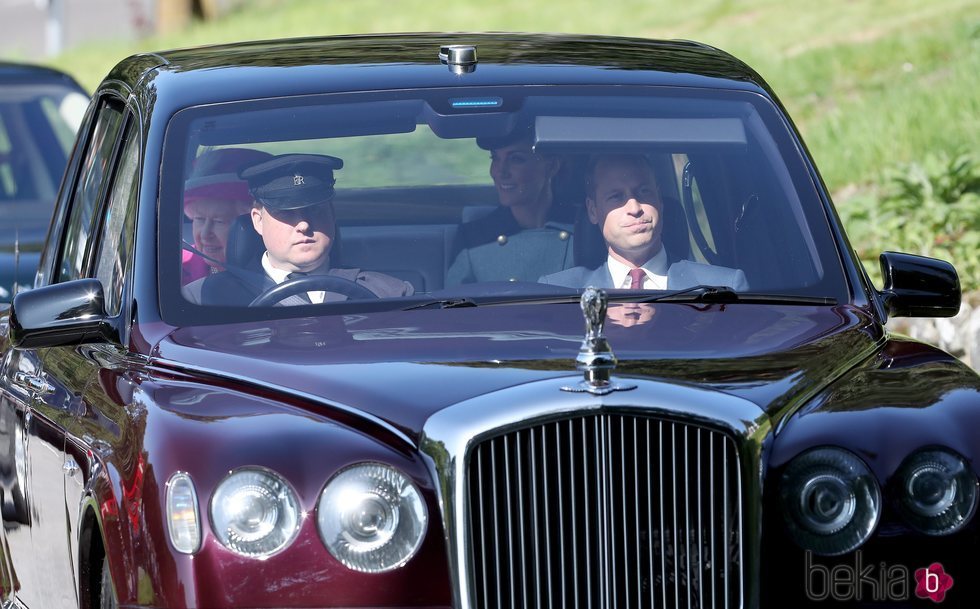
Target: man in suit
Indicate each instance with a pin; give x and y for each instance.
(624, 202)
(293, 213)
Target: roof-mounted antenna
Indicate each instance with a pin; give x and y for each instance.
(16, 262)
(461, 58)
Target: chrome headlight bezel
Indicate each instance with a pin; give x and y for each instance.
(831, 500)
(958, 501)
(371, 517)
(278, 494)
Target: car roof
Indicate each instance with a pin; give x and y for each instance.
(391, 61)
(12, 72)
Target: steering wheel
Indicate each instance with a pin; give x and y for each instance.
(312, 283)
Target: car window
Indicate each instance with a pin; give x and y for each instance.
(37, 128)
(119, 224)
(93, 174)
(429, 190)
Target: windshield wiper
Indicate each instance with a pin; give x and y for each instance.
(448, 303)
(708, 294)
(712, 294)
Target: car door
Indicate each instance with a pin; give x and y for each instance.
(20, 371)
(65, 375)
(105, 410)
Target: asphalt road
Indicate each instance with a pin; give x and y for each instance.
(23, 24)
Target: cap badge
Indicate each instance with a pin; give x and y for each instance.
(298, 180)
(595, 358)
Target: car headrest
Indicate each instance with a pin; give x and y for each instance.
(676, 236)
(244, 244)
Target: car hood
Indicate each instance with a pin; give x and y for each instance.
(403, 366)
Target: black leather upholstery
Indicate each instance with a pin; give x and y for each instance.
(244, 244)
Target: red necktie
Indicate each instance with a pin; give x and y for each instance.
(636, 279)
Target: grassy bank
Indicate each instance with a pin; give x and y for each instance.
(873, 85)
(870, 84)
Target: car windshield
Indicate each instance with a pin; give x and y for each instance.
(459, 197)
(37, 129)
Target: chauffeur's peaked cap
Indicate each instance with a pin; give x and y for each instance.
(293, 181)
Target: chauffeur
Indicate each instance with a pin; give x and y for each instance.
(293, 212)
(529, 235)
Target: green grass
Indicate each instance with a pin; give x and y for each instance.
(871, 84)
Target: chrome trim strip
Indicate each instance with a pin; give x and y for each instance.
(673, 506)
(561, 527)
(700, 525)
(711, 457)
(724, 516)
(450, 434)
(650, 516)
(663, 531)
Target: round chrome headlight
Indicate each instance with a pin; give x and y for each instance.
(254, 513)
(938, 492)
(831, 499)
(371, 518)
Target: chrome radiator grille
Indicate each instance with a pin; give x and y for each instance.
(605, 511)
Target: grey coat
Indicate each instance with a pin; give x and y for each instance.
(496, 248)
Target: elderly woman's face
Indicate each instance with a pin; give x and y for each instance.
(211, 222)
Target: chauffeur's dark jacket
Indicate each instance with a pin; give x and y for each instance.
(496, 248)
(239, 289)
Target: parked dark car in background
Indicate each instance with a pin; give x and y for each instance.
(756, 441)
(40, 111)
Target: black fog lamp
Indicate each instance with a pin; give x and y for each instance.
(938, 492)
(831, 500)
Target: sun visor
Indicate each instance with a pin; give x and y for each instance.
(220, 127)
(589, 134)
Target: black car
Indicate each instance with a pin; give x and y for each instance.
(40, 111)
(473, 321)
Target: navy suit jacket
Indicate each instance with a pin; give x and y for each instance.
(680, 275)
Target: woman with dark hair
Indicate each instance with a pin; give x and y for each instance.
(530, 234)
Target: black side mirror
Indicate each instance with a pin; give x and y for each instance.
(916, 286)
(67, 313)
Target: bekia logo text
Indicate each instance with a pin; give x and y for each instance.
(858, 581)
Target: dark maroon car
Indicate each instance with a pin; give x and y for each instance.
(496, 425)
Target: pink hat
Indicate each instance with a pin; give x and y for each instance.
(214, 175)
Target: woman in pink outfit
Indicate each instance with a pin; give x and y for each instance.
(214, 196)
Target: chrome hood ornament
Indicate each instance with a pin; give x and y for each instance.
(595, 358)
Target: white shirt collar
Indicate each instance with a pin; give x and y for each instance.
(655, 270)
(279, 275)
